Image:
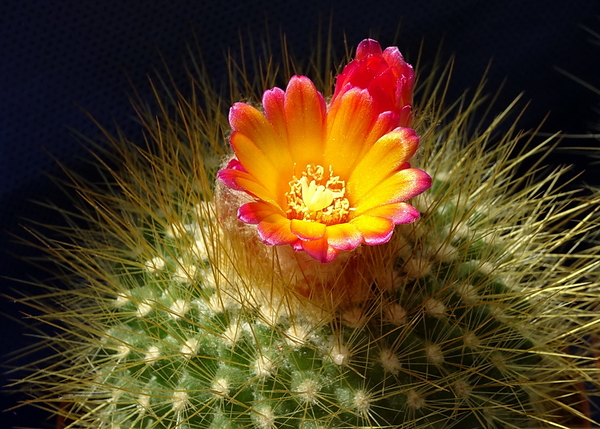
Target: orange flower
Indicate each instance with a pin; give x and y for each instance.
(324, 179)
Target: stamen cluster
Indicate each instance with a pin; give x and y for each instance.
(315, 199)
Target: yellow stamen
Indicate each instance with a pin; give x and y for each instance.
(317, 198)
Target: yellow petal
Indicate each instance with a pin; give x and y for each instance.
(259, 166)
(275, 231)
(254, 125)
(307, 230)
(305, 118)
(250, 185)
(349, 121)
(344, 236)
(384, 158)
(375, 230)
(399, 187)
(383, 125)
(257, 211)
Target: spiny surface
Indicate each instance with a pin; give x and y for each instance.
(474, 323)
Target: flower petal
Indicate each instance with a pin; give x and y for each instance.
(307, 230)
(383, 90)
(368, 47)
(405, 115)
(254, 212)
(248, 121)
(305, 117)
(397, 188)
(256, 163)
(275, 230)
(229, 179)
(349, 121)
(320, 250)
(273, 225)
(404, 72)
(344, 236)
(384, 124)
(242, 181)
(274, 104)
(383, 159)
(375, 230)
(398, 213)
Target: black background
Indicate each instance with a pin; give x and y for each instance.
(57, 57)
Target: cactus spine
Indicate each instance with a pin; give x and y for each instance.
(466, 319)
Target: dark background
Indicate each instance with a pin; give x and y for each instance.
(57, 57)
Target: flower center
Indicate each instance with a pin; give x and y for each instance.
(318, 197)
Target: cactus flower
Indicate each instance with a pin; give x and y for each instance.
(328, 178)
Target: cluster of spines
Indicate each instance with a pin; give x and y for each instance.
(461, 334)
(437, 345)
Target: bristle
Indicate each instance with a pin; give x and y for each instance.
(482, 314)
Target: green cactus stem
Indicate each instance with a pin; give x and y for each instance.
(466, 319)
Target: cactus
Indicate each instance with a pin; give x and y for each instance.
(478, 315)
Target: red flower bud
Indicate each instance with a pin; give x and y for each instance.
(385, 75)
